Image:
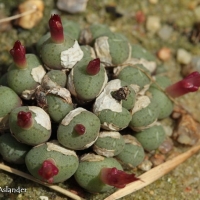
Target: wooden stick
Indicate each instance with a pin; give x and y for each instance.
(27, 176)
(154, 174)
(18, 15)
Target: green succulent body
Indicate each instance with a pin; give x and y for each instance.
(11, 150)
(37, 133)
(51, 52)
(57, 107)
(111, 120)
(84, 86)
(133, 152)
(87, 174)
(139, 52)
(71, 28)
(58, 77)
(144, 117)
(134, 75)
(69, 138)
(117, 46)
(65, 160)
(22, 79)
(7, 105)
(165, 105)
(151, 138)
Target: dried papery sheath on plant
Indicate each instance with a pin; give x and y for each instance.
(109, 143)
(137, 76)
(133, 153)
(11, 150)
(30, 125)
(59, 51)
(70, 131)
(54, 78)
(87, 79)
(95, 174)
(112, 115)
(51, 162)
(26, 73)
(113, 49)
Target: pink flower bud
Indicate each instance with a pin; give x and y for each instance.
(18, 53)
(24, 120)
(116, 178)
(190, 83)
(56, 29)
(80, 129)
(93, 67)
(48, 170)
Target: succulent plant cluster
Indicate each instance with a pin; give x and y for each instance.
(65, 110)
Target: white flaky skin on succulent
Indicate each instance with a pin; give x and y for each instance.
(149, 65)
(141, 102)
(105, 99)
(102, 49)
(90, 144)
(112, 134)
(71, 56)
(28, 94)
(109, 126)
(129, 139)
(47, 83)
(55, 146)
(138, 90)
(90, 157)
(38, 73)
(61, 92)
(70, 83)
(41, 117)
(103, 151)
(69, 117)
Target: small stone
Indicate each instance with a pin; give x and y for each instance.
(165, 32)
(153, 24)
(197, 13)
(43, 198)
(183, 56)
(146, 165)
(72, 6)
(30, 20)
(153, 1)
(164, 54)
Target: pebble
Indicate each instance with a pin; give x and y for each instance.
(164, 54)
(183, 56)
(197, 13)
(165, 32)
(153, 1)
(72, 6)
(153, 24)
